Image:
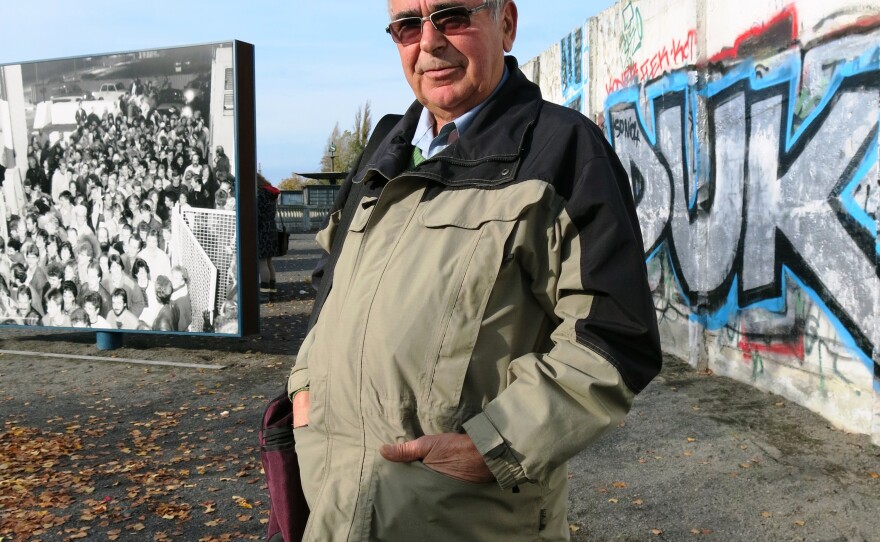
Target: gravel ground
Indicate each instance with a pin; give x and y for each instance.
(112, 450)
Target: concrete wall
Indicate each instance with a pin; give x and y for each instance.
(749, 130)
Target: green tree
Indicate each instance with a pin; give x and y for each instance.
(349, 143)
(294, 182)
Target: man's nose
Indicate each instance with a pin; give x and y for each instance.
(432, 39)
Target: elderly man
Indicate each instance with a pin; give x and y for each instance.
(490, 315)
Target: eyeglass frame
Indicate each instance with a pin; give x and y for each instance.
(428, 17)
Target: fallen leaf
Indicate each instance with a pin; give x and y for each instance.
(799, 522)
(241, 501)
(692, 439)
(619, 485)
(767, 514)
(571, 527)
(657, 532)
(872, 475)
(612, 501)
(638, 502)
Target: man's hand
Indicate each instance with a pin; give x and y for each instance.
(448, 453)
(301, 409)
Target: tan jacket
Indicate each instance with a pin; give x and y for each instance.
(476, 293)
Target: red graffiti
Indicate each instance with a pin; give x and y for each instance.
(790, 348)
(669, 56)
(782, 25)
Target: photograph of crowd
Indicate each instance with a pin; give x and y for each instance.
(88, 235)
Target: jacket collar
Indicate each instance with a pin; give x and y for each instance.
(487, 155)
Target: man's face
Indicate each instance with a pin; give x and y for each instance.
(452, 74)
(24, 304)
(118, 305)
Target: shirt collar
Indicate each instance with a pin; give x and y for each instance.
(424, 135)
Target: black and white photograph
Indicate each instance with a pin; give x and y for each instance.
(118, 207)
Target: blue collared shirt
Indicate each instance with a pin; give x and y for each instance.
(424, 136)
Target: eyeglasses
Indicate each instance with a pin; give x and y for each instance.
(449, 21)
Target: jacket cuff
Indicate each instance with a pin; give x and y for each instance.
(296, 382)
(496, 453)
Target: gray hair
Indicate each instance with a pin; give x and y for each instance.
(494, 8)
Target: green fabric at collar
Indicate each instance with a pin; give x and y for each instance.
(416, 159)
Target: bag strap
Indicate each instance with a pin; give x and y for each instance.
(352, 199)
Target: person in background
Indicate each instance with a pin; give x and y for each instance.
(180, 297)
(55, 316)
(94, 274)
(8, 307)
(27, 316)
(147, 286)
(156, 258)
(118, 278)
(221, 161)
(79, 318)
(267, 233)
(94, 306)
(167, 318)
(69, 295)
(120, 316)
(55, 277)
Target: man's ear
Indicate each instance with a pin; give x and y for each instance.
(508, 24)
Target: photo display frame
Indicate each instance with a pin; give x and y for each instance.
(128, 196)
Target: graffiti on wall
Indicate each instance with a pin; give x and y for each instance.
(575, 67)
(675, 53)
(631, 37)
(767, 160)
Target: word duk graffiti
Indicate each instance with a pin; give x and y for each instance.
(735, 166)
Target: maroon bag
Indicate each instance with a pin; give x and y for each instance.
(288, 510)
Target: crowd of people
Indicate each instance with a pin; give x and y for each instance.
(91, 246)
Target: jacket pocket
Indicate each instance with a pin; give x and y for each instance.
(362, 214)
(476, 225)
(412, 502)
(311, 452)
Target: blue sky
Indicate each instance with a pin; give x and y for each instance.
(316, 62)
